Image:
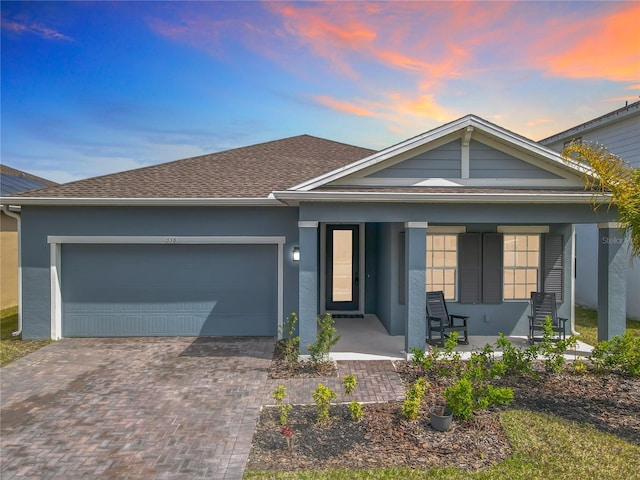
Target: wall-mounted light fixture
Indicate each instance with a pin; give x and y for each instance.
(296, 254)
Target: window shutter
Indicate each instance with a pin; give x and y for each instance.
(469, 268)
(553, 265)
(492, 259)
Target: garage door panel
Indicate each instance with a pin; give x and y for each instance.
(137, 290)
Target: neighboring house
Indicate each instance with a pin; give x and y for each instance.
(12, 181)
(619, 131)
(207, 245)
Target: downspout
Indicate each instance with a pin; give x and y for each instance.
(9, 213)
(573, 282)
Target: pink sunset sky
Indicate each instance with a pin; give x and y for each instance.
(92, 88)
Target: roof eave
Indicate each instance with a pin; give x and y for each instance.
(540, 198)
(146, 202)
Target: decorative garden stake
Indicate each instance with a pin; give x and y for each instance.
(288, 435)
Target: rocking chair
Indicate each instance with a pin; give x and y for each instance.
(439, 321)
(543, 305)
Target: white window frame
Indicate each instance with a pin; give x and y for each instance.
(444, 231)
(525, 231)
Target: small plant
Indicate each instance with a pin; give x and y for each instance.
(326, 337)
(356, 411)
(460, 398)
(288, 435)
(579, 367)
(483, 365)
(278, 395)
(349, 382)
(426, 361)
(289, 345)
(451, 363)
(464, 397)
(622, 353)
(491, 396)
(517, 361)
(553, 351)
(323, 396)
(445, 360)
(413, 399)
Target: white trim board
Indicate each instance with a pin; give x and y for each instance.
(56, 242)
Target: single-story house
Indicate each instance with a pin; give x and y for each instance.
(230, 243)
(12, 181)
(619, 131)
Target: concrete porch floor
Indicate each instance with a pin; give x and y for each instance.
(367, 339)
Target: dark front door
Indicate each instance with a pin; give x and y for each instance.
(342, 262)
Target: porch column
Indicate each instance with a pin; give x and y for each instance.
(308, 284)
(415, 327)
(612, 281)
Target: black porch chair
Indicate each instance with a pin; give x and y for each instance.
(439, 321)
(543, 305)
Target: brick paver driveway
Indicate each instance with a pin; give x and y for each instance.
(133, 408)
(150, 407)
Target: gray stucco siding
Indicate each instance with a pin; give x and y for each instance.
(40, 222)
(187, 290)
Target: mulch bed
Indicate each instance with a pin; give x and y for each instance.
(281, 369)
(382, 438)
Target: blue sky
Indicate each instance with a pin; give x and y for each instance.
(90, 88)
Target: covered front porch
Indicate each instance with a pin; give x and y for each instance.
(365, 338)
(388, 272)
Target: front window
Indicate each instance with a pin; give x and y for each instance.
(442, 264)
(521, 265)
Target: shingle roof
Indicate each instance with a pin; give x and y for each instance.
(247, 172)
(13, 181)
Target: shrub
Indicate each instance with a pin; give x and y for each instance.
(460, 398)
(356, 411)
(464, 397)
(349, 382)
(326, 337)
(278, 395)
(289, 344)
(622, 353)
(446, 361)
(426, 361)
(517, 361)
(491, 396)
(579, 367)
(413, 399)
(323, 396)
(553, 351)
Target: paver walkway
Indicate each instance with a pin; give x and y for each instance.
(149, 407)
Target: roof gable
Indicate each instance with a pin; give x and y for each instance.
(467, 152)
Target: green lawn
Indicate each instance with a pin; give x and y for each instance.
(587, 325)
(12, 348)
